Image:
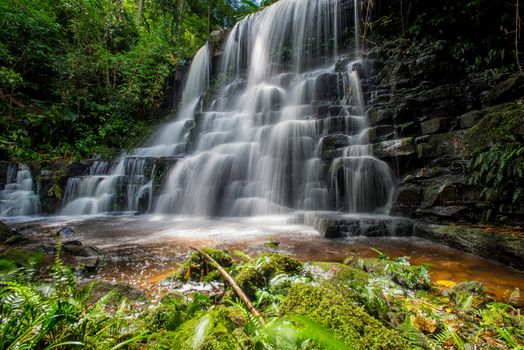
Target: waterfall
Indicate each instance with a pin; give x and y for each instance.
(126, 186)
(286, 82)
(18, 198)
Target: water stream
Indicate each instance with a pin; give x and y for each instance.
(18, 197)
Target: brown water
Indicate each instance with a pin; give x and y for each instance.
(145, 250)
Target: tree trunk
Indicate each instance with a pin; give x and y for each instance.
(232, 283)
(119, 10)
(179, 10)
(139, 13)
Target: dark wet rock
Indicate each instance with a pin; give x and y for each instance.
(436, 125)
(5, 232)
(87, 264)
(504, 247)
(507, 90)
(394, 148)
(330, 146)
(332, 225)
(327, 87)
(381, 133)
(323, 110)
(407, 199)
(65, 232)
(469, 119)
(451, 144)
(436, 187)
(380, 115)
(17, 239)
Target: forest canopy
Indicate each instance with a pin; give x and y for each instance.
(85, 77)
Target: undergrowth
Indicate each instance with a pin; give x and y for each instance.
(379, 303)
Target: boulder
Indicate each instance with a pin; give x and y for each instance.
(394, 148)
(500, 246)
(5, 232)
(330, 146)
(327, 87)
(333, 225)
(434, 126)
(451, 144)
(407, 199)
(381, 133)
(505, 91)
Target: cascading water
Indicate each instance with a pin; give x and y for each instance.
(256, 148)
(18, 198)
(126, 185)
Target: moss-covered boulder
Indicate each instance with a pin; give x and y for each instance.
(348, 321)
(196, 268)
(257, 273)
(5, 232)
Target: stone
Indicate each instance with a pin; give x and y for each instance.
(5, 232)
(503, 247)
(332, 225)
(87, 263)
(505, 91)
(451, 144)
(381, 133)
(435, 187)
(406, 200)
(322, 111)
(380, 115)
(65, 232)
(327, 87)
(394, 148)
(330, 143)
(469, 119)
(434, 126)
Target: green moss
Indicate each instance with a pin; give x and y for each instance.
(341, 273)
(23, 257)
(257, 273)
(5, 231)
(7, 265)
(191, 269)
(398, 270)
(348, 321)
(499, 124)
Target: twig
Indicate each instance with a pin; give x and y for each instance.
(232, 283)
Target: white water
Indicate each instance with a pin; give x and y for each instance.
(127, 185)
(255, 149)
(18, 198)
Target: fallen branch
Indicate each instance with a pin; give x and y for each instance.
(232, 283)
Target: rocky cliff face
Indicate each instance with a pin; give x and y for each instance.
(427, 116)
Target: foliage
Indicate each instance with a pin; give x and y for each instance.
(326, 311)
(495, 145)
(83, 77)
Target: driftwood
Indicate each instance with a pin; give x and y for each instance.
(232, 283)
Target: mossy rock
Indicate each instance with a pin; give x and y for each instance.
(499, 124)
(191, 268)
(7, 265)
(5, 232)
(257, 273)
(23, 257)
(97, 289)
(348, 321)
(398, 270)
(343, 274)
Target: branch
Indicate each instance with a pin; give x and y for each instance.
(232, 283)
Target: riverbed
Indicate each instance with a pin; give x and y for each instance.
(143, 250)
